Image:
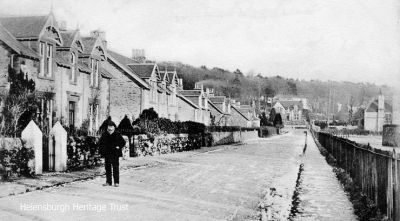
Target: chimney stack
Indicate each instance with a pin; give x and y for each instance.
(180, 84)
(139, 55)
(101, 34)
(62, 25)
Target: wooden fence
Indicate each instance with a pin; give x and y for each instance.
(375, 171)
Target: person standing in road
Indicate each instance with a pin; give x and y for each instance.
(110, 145)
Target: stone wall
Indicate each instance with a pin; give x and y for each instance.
(391, 135)
(268, 131)
(236, 119)
(220, 138)
(125, 95)
(186, 112)
(4, 62)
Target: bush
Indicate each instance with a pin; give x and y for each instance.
(82, 152)
(16, 160)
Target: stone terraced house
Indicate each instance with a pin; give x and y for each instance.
(79, 81)
(66, 69)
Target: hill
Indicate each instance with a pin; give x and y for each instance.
(248, 87)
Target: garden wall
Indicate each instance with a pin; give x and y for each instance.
(169, 143)
(15, 158)
(268, 131)
(220, 138)
(248, 135)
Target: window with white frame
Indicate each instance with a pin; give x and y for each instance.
(96, 74)
(92, 64)
(42, 57)
(73, 62)
(93, 117)
(49, 60)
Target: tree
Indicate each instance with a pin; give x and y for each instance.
(20, 103)
(263, 119)
(278, 120)
(238, 72)
(272, 115)
(148, 114)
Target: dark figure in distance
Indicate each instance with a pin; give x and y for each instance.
(111, 144)
(305, 144)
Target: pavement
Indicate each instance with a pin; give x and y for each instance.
(321, 195)
(221, 183)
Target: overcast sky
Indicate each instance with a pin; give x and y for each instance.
(351, 40)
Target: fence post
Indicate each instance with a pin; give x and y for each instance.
(33, 136)
(396, 187)
(59, 136)
(389, 194)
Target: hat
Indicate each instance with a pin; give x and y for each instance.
(111, 123)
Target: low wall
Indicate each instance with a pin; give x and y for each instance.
(248, 135)
(183, 142)
(391, 135)
(13, 144)
(268, 131)
(220, 138)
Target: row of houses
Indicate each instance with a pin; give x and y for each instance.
(78, 79)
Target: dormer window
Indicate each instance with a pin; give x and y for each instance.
(42, 57)
(49, 60)
(92, 63)
(73, 62)
(96, 74)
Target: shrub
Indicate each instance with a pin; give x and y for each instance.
(82, 152)
(17, 159)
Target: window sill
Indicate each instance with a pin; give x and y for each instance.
(45, 77)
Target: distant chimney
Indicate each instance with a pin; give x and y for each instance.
(62, 25)
(180, 84)
(381, 102)
(139, 55)
(101, 34)
(198, 86)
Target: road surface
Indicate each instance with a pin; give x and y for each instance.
(227, 183)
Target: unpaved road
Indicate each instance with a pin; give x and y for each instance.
(223, 184)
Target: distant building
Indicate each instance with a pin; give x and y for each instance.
(377, 113)
(290, 110)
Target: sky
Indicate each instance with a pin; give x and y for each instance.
(342, 40)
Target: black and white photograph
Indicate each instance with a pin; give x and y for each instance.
(197, 110)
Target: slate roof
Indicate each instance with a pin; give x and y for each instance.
(60, 60)
(84, 68)
(123, 61)
(14, 44)
(143, 70)
(373, 106)
(88, 43)
(215, 107)
(217, 99)
(188, 101)
(68, 37)
(105, 73)
(191, 93)
(237, 110)
(121, 58)
(24, 27)
(290, 104)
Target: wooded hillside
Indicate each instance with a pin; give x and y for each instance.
(246, 87)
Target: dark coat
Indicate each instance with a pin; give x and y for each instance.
(108, 144)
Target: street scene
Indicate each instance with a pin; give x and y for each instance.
(200, 110)
(225, 183)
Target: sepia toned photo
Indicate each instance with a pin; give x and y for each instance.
(258, 110)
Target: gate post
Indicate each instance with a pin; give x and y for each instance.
(33, 136)
(59, 135)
